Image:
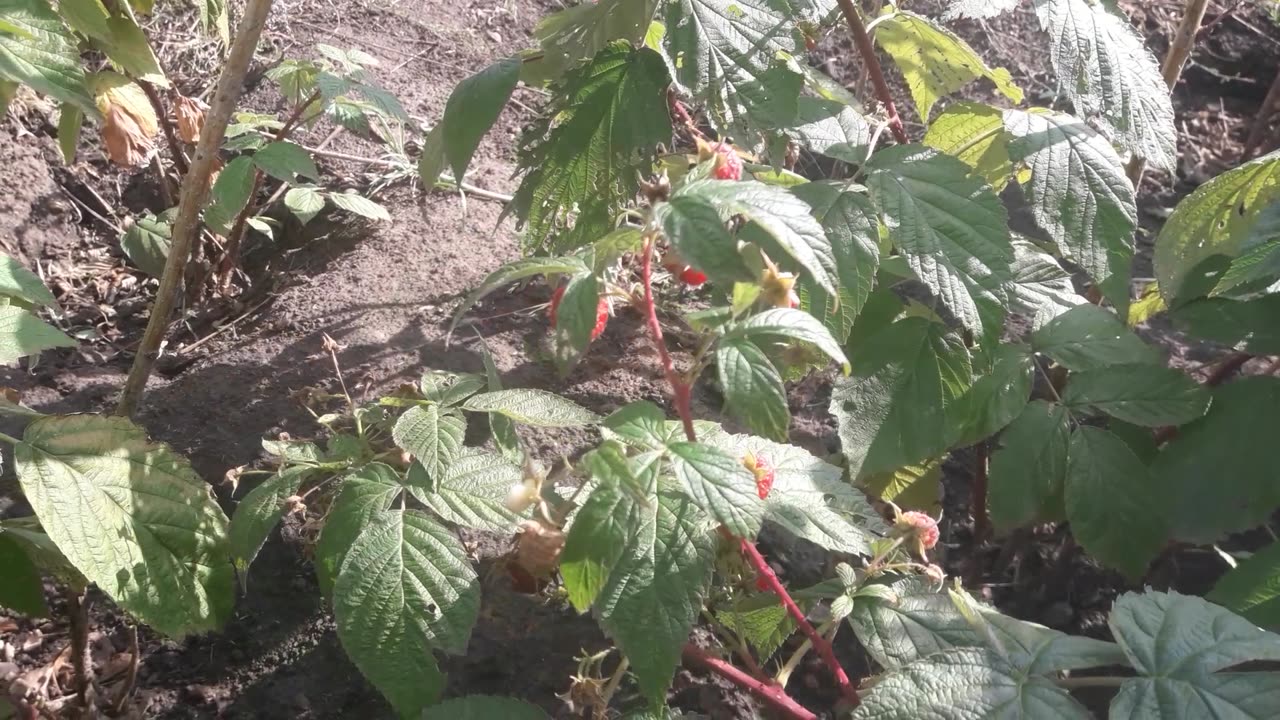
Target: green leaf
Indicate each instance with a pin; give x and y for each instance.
(1078, 191)
(129, 50)
(431, 161)
(41, 53)
(977, 9)
(518, 270)
(538, 408)
(727, 52)
(471, 492)
(617, 508)
(233, 188)
(1087, 337)
(911, 487)
(578, 32)
(1259, 255)
(293, 451)
(640, 423)
(1140, 394)
(18, 282)
(365, 493)
(975, 680)
(1178, 643)
(1249, 324)
(132, 516)
(259, 512)
(23, 334)
(1217, 475)
(432, 434)
(503, 429)
(581, 162)
(1030, 468)
(286, 161)
(1041, 289)
(405, 588)
(995, 399)
(719, 484)
(892, 411)
(70, 118)
(974, 133)
(753, 389)
(44, 554)
(809, 498)
(214, 20)
(449, 388)
(576, 320)
(22, 590)
(87, 17)
(830, 128)
(657, 589)
(1111, 499)
(952, 228)
(782, 219)
(761, 620)
(146, 243)
(305, 203)
(694, 228)
(791, 324)
(849, 220)
(484, 707)
(915, 622)
(1252, 589)
(473, 108)
(359, 205)
(1104, 69)
(934, 61)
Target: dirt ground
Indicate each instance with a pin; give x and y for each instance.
(385, 292)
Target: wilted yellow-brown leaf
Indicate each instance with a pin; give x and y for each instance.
(189, 113)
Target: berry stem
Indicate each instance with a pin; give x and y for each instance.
(869, 59)
(682, 392)
(771, 694)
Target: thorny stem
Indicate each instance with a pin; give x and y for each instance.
(1179, 50)
(773, 695)
(868, 52)
(682, 392)
(195, 186)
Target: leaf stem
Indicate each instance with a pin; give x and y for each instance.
(773, 695)
(195, 187)
(868, 52)
(793, 662)
(9, 439)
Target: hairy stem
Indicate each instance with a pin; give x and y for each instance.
(872, 64)
(1179, 50)
(195, 187)
(235, 238)
(683, 391)
(772, 695)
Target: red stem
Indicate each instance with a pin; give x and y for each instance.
(772, 694)
(868, 52)
(757, 561)
(682, 391)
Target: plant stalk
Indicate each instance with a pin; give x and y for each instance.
(683, 391)
(235, 238)
(1258, 132)
(81, 660)
(772, 695)
(867, 50)
(1184, 40)
(981, 518)
(195, 187)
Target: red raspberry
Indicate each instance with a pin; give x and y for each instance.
(728, 164)
(692, 277)
(760, 466)
(917, 529)
(762, 585)
(556, 297)
(602, 318)
(602, 311)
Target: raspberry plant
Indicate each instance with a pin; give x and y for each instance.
(820, 235)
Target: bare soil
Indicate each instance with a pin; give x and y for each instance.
(385, 293)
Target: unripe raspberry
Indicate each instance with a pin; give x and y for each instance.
(763, 470)
(728, 165)
(917, 529)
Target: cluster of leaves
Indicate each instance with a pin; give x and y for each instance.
(111, 507)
